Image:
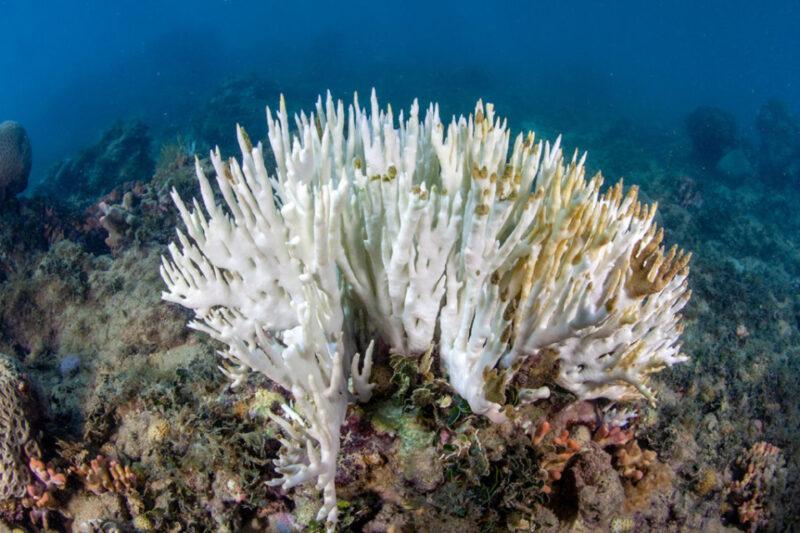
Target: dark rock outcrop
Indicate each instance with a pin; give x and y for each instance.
(15, 159)
(779, 144)
(713, 133)
(121, 155)
(241, 100)
(597, 488)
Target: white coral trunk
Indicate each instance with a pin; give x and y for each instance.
(261, 279)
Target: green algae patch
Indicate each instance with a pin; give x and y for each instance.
(265, 401)
(416, 451)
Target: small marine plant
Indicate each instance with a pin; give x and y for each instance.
(492, 253)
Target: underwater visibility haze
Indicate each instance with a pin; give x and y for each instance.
(419, 266)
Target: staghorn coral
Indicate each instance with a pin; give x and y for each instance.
(495, 252)
(18, 444)
(509, 254)
(264, 283)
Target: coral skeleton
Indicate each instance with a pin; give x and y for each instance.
(457, 237)
(262, 280)
(507, 249)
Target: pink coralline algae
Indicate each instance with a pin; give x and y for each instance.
(41, 497)
(104, 475)
(760, 468)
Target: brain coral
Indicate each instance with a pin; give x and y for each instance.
(15, 159)
(17, 442)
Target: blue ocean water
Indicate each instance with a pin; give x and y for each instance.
(68, 68)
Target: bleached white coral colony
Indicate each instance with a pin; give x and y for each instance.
(495, 253)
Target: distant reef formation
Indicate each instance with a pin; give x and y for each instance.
(772, 158)
(123, 153)
(779, 144)
(240, 100)
(713, 132)
(15, 159)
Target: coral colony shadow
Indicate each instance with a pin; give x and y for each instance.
(398, 320)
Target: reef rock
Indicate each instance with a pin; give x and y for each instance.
(15, 159)
(598, 489)
(735, 167)
(121, 155)
(713, 132)
(236, 101)
(779, 148)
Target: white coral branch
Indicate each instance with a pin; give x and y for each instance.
(261, 278)
(360, 384)
(497, 250)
